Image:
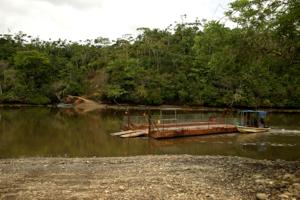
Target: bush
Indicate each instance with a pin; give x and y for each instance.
(38, 99)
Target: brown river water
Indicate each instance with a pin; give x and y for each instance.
(52, 132)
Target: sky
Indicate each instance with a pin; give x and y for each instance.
(88, 19)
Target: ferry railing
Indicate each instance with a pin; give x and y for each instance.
(161, 123)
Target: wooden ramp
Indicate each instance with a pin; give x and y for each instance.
(131, 133)
(121, 133)
(134, 134)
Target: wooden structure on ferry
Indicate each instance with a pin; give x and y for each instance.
(160, 126)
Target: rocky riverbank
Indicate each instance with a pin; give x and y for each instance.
(149, 177)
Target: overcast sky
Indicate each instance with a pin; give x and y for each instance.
(89, 19)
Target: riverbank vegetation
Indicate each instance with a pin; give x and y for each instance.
(255, 62)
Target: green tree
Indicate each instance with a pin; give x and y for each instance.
(35, 73)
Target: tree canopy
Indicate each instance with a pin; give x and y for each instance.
(253, 63)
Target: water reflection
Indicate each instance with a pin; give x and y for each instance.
(29, 132)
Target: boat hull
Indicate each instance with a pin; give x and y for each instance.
(243, 129)
(183, 131)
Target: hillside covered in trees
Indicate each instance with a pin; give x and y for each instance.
(253, 63)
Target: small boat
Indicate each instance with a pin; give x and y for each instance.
(253, 121)
(245, 129)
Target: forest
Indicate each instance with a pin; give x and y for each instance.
(253, 62)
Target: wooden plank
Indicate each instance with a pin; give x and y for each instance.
(134, 134)
(122, 133)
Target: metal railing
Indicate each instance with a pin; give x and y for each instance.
(160, 122)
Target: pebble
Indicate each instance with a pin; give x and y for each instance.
(296, 186)
(210, 196)
(296, 180)
(260, 181)
(271, 182)
(283, 196)
(289, 177)
(261, 196)
(122, 187)
(284, 183)
(258, 176)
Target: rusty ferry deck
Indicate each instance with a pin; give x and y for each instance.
(191, 130)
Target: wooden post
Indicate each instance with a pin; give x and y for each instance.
(175, 117)
(128, 119)
(149, 122)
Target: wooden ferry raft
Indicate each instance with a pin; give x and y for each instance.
(169, 126)
(179, 131)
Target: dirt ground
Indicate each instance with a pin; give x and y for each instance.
(149, 177)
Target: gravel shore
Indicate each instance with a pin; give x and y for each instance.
(149, 177)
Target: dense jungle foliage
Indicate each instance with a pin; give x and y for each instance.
(255, 62)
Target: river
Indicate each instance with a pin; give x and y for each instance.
(52, 132)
